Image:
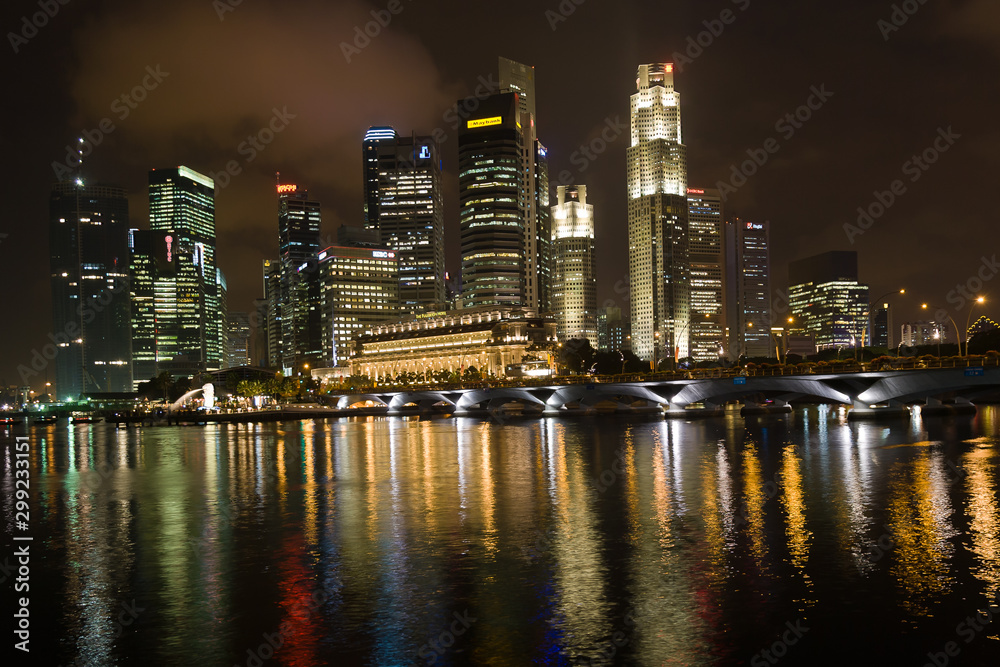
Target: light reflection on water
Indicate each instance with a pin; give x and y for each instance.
(592, 541)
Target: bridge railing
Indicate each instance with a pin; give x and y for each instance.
(803, 369)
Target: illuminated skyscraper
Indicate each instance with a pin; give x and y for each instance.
(299, 222)
(191, 327)
(706, 234)
(748, 266)
(520, 79)
(374, 137)
(409, 216)
(658, 217)
(574, 284)
(493, 200)
(827, 300)
(88, 253)
(359, 288)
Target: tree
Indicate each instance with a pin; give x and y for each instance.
(576, 355)
(471, 374)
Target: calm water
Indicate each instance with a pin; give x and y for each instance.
(603, 540)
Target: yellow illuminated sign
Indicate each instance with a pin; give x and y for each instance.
(485, 122)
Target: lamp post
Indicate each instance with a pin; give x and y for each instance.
(958, 334)
(868, 315)
(968, 321)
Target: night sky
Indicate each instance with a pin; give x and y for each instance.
(220, 80)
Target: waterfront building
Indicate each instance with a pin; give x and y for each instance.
(658, 217)
(574, 283)
(706, 254)
(190, 323)
(748, 277)
(490, 340)
(923, 332)
(238, 348)
(613, 331)
(359, 287)
(88, 269)
(827, 300)
(403, 180)
(299, 221)
(882, 327)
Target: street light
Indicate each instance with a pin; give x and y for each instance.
(958, 335)
(968, 320)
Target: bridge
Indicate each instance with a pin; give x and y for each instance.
(870, 394)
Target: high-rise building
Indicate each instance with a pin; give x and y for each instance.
(238, 347)
(827, 300)
(192, 334)
(923, 332)
(493, 204)
(88, 261)
(518, 78)
(658, 218)
(271, 274)
(707, 257)
(405, 183)
(574, 283)
(144, 265)
(359, 288)
(882, 327)
(299, 222)
(374, 137)
(748, 279)
(613, 331)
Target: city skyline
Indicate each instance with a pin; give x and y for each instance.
(699, 81)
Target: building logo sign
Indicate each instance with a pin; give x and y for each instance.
(485, 122)
(170, 251)
(692, 191)
(425, 153)
(282, 189)
(751, 225)
(382, 254)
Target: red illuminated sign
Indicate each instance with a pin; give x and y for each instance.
(692, 191)
(287, 188)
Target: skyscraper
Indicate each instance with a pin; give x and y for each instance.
(493, 204)
(271, 274)
(374, 137)
(299, 222)
(748, 269)
(89, 255)
(192, 330)
(706, 236)
(658, 217)
(882, 327)
(518, 78)
(403, 178)
(238, 347)
(827, 300)
(574, 284)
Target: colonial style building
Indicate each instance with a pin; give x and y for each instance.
(488, 339)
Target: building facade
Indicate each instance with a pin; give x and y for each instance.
(89, 263)
(574, 280)
(191, 326)
(613, 331)
(923, 332)
(658, 218)
(359, 288)
(707, 257)
(488, 340)
(298, 307)
(750, 317)
(403, 178)
(493, 204)
(827, 300)
(238, 341)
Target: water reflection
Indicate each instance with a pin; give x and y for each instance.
(569, 542)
